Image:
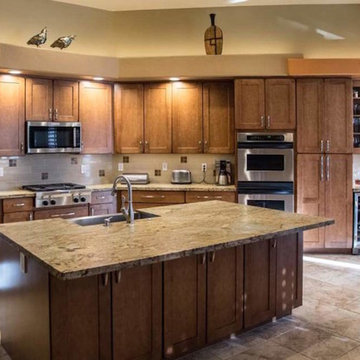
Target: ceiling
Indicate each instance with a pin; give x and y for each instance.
(129, 5)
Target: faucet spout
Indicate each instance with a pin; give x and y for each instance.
(129, 211)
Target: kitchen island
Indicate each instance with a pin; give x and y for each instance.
(168, 285)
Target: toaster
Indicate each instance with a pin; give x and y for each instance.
(181, 177)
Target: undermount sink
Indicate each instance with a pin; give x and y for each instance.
(108, 219)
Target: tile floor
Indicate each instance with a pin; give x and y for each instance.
(326, 327)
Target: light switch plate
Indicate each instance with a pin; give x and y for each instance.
(120, 166)
(1, 171)
(164, 166)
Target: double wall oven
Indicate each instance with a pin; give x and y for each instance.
(266, 170)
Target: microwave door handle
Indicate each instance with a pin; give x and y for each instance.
(74, 137)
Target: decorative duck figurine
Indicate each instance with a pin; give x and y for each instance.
(63, 42)
(39, 39)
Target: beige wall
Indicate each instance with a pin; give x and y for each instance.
(247, 30)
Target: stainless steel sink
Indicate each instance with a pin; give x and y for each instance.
(106, 220)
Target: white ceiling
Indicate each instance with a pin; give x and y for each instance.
(125, 5)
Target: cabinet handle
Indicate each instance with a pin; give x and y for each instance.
(105, 279)
(56, 114)
(200, 142)
(50, 114)
(117, 276)
(327, 145)
(22, 147)
(153, 196)
(327, 168)
(31, 217)
(60, 215)
(274, 244)
(92, 211)
(268, 121)
(101, 197)
(146, 143)
(262, 119)
(202, 197)
(203, 259)
(322, 168)
(321, 145)
(212, 257)
(140, 142)
(23, 263)
(19, 205)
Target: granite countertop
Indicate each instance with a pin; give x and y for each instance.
(9, 194)
(71, 251)
(166, 187)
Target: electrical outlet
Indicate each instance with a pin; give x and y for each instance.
(84, 169)
(1, 171)
(164, 166)
(120, 166)
(204, 167)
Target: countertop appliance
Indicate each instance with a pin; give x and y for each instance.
(63, 194)
(266, 170)
(53, 137)
(223, 172)
(181, 177)
(137, 178)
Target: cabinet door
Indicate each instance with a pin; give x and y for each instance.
(218, 102)
(12, 117)
(338, 112)
(18, 216)
(102, 209)
(137, 306)
(310, 116)
(280, 104)
(225, 293)
(289, 268)
(96, 117)
(260, 271)
(249, 104)
(129, 118)
(184, 305)
(339, 201)
(311, 194)
(39, 99)
(66, 100)
(187, 118)
(158, 118)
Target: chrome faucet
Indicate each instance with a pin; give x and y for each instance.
(129, 211)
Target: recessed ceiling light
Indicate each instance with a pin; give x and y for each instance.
(174, 79)
(98, 78)
(14, 72)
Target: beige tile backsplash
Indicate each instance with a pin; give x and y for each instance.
(84, 169)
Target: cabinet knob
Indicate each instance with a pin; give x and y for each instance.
(140, 142)
(200, 142)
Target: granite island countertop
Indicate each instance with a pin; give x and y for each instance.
(72, 251)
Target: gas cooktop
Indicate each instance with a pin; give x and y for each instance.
(53, 187)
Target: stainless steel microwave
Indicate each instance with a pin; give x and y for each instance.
(53, 137)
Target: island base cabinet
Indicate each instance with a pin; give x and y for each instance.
(184, 305)
(137, 313)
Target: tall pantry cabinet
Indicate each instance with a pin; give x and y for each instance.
(324, 160)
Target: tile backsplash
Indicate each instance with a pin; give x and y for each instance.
(100, 169)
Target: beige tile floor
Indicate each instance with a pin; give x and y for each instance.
(326, 327)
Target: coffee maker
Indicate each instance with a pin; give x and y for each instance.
(223, 172)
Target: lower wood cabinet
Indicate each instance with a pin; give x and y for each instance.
(17, 209)
(63, 213)
(18, 216)
(102, 203)
(197, 196)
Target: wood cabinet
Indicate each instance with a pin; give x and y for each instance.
(218, 114)
(325, 189)
(197, 196)
(48, 100)
(324, 116)
(18, 216)
(17, 209)
(63, 213)
(102, 203)
(12, 116)
(225, 277)
(184, 305)
(129, 118)
(96, 117)
(259, 284)
(265, 104)
(157, 118)
(137, 313)
(187, 118)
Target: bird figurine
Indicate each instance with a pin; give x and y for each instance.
(39, 39)
(63, 42)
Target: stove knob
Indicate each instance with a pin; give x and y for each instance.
(75, 199)
(83, 199)
(45, 203)
(53, 202)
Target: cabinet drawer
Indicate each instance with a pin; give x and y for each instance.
(196, 196)
(18, 216)
(64, 213)
(17, 205)
(102, 209)
(158, 197)
(138, 206)
(101, 197)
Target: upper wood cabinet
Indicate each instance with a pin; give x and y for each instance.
(265, 104)
(12, 116)
(96, 117)
(158, 118)
(48, 100)
(218, 102)
(129, 118)
(187, 118)
(324, 116)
